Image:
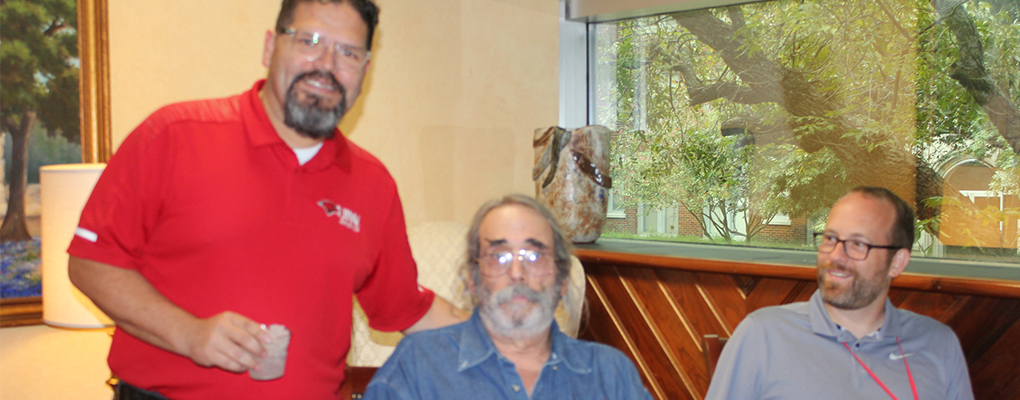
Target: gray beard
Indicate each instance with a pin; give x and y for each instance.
(500, 322)
(310, 119)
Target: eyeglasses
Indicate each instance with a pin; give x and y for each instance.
(313, 46)
(498, 263)
(853, 248)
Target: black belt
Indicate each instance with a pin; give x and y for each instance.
(124, 391)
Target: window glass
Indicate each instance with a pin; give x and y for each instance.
(742, 125)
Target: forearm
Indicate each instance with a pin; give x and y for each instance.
(441, 313)
(133, 303)
(227, 340)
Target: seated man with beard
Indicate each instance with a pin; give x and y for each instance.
(511, 348)
(847, 341)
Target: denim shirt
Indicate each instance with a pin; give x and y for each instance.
(460, 362)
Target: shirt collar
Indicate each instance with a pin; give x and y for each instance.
(476, 346)
(822, 324)
(261, 132)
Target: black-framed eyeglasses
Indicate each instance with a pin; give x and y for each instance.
(497, 263)
(854, 249)
(313, 46)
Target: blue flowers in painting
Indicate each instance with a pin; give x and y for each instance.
(20, 269)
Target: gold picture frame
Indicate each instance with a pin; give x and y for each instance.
(94, 112)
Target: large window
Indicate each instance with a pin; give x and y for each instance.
(742, 125)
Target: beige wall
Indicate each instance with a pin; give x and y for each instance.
(452, 96)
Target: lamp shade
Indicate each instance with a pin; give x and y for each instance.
(64, 189)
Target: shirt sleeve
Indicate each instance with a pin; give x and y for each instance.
(956, 367)
(391, 296)
(633, 387)
(738, 374)
(394, 379)
(124, 204)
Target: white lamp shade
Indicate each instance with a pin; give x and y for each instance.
(64, 189)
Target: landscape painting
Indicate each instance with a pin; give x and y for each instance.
(53, 84)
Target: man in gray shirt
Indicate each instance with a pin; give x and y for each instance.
(847, 341)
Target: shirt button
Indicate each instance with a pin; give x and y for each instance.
(517, 388)
(556, 368)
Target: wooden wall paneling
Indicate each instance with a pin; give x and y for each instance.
(746, 283)
(995, 375)
(694, 303)
(673, 321)
(981, 322)
(604, 325)
(647, 338)
(935, 305)
(805, 292)
(726, 300)
(600, 324)
(770, 292)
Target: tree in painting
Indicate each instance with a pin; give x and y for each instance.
(39, 76)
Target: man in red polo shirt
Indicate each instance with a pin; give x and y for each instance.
(218, 217)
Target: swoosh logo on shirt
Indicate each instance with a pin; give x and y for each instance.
(894, 356)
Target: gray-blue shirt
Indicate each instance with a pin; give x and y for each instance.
(460, 362)
(795, 351)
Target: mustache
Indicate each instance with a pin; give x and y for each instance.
(319, 74)
(508, 293)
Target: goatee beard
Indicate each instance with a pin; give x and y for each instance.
(311, 119)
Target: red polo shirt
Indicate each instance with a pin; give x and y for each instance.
(211, 207)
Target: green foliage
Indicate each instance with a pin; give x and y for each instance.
(43, 150)
(1007, 179)
(949, 122)
(38, 63)
(881, 74)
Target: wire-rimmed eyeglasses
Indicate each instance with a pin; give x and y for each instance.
(313, 45)
(497, 263)
(854, 249)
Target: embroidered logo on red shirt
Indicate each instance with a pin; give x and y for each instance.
(347, 217)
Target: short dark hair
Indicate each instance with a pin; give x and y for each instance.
(561, 247)
(366, 8)
(902, 233)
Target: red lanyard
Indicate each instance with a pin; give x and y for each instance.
(875, 377)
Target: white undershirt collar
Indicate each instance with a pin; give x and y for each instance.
(306, 153)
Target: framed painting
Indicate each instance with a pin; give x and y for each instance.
(21, 304)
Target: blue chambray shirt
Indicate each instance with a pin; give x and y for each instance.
(460, 362)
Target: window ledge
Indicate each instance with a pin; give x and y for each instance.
(798, 258)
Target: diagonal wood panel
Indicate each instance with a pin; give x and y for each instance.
(603, 326)
(770, 292)
(656, 314)
(721, 294)
(981, 322)
(637, 326)
(929, 304)
(746, 283)
(685, 290)
(671, 327)
(987, 373)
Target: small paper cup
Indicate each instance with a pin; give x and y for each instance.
(273, 366)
